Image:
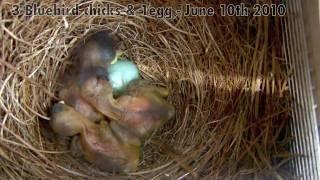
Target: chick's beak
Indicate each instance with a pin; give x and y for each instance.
(114, 60)
(118, 54)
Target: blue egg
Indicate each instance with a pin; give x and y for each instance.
(122, 73)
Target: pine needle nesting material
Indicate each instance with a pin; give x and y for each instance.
(227, 78)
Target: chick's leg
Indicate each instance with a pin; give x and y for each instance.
(163, 92)
(142, 89)
(98, 92)
(75, 147)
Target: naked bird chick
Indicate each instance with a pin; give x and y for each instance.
(141, 109)
(92, 56)
(96, 50)
(112, 150)
(144, 109)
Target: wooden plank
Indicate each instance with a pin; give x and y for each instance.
(311, 16)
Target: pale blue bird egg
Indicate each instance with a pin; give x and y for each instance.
(122, 73)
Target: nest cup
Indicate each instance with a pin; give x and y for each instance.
(226, 77)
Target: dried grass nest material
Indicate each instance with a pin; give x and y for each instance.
(226, 76)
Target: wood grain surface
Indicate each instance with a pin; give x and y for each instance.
(311, 16)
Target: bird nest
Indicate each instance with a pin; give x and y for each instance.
(226, 75)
